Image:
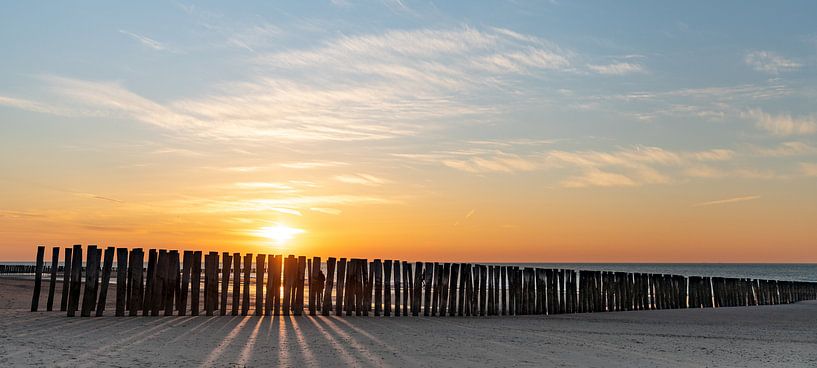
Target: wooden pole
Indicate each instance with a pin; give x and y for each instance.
(377, 268)
(159, 280)
(397, 286)
(135, 275)
(195, 283)
(52, 285)
(341, 278)
(245, 302)
(275, 275)
(452, 289)
(236, 283)
(259, 283)
(271, 290)
(387, 288)
(38, 278)
(89, 296)
(121, 280)
(150, 279)
(407, 286)
(66, 280)
(106, 281)
(171, 281)
(314, 289)
(226, 272)
(299, 290)
(184, 287)
(327, 290)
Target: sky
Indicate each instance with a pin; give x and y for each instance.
(541, 131)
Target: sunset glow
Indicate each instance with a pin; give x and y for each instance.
(280, 234)
(502, 133)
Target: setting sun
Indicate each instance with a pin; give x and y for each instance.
(279, 233)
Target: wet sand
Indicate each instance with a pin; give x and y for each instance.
(762, 336)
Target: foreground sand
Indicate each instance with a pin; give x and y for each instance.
(764, 336)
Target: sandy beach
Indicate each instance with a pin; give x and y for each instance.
(764, 336)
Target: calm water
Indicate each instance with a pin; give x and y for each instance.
(780, 271)
(791, 272)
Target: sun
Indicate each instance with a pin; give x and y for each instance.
(279, 233)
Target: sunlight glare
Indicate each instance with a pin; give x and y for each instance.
(279, 233)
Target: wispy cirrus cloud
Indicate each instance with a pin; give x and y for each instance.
(622, 68)
(363, 87)
(808, 169)
(782, 124)
(770, 62)
(361, 179)
(726, 201)
(145, 41)
(623, 167)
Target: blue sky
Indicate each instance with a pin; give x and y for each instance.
(401, 103)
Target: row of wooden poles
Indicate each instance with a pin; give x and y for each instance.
(384, 287)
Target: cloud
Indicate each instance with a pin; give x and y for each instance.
(617, 68)
(328, 211)
(599, 178)
(783, 124)
(726, 201)
(494, 162)
(145, 41)
(808, 169)
(793, 148)
(312, 164)
(361, 179)
(357, 88)
(769, 62)
(34, 106)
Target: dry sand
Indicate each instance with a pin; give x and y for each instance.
(764, 336)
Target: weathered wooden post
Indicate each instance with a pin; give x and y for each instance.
(89, 294)
(377, 270)
(299, 283)
(195, 284)
(259, 283)
(236, 283)
(314, 291)
(245, 301)
(275, 275)
(159, 279)
(38, 278)
(271, 290)
(136, 285)
(184, 287)
(66, 280)
(444, 278)
(121, 281)
(341, 278)
(407, 287)
(171, 281)
(327, 290)
(397, 285)
(52, 284)
(150, 279)
(368, 286)
(387, 287)
(76, 281)
(452, 289)
(226, 264)
(107, 266)
(289, 280)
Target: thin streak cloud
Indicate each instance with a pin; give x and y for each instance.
(726, 201)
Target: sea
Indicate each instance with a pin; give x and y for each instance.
(767, 271)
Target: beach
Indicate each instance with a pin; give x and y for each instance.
(760, 336)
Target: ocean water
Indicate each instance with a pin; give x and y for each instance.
(768, 271)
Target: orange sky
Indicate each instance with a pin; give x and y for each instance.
(475, 131)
